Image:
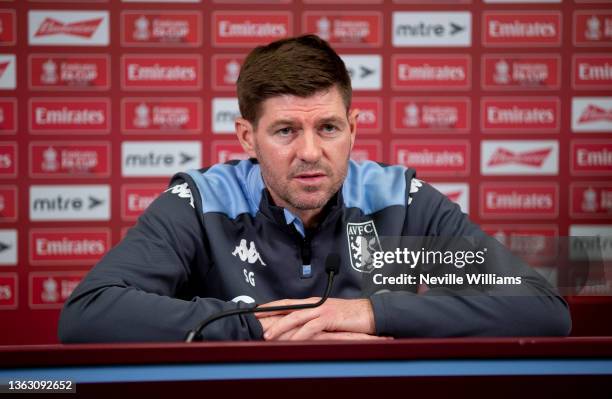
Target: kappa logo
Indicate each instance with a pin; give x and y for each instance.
(182, 191)
(248, 254)
(363, 241)
(85, 29)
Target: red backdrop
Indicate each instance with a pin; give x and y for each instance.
(505, 107)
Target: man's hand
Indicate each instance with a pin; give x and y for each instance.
(335, 319)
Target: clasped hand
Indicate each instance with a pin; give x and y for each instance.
(347, 319)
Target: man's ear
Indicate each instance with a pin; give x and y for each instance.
(352, 118)
(245, 133)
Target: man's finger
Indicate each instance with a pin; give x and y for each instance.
(267, 322)
(287, 335)
(309, 330)
(291, 321)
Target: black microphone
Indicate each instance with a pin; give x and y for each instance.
(332, 267)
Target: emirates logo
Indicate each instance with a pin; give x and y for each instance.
(535, 158)
(84, 29)
(593, 113)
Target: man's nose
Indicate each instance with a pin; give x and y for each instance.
(309, 146)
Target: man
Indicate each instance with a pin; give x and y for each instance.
(258, 232)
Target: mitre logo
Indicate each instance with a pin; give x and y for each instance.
(69, 202)
(8, 247)
(592, 114)
(594, 243)
(364, 70)
(225, 110)
(432, 29)
(88, 28)
(508, 29)
(508, 157)
(159, 158)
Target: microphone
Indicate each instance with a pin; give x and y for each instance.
(332, 268)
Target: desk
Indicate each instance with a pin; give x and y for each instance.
(452, 366)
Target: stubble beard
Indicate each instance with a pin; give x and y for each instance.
(284, 192)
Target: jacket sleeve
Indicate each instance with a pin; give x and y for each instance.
(532, 308)
(142, 289)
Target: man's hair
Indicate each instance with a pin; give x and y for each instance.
(299, 66)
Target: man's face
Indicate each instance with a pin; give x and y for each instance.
(303, 147)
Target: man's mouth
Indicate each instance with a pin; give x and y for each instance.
(310, 177)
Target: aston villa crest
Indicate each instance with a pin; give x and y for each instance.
(363, 242)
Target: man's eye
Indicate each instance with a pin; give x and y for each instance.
(284, 131)
(328, 128)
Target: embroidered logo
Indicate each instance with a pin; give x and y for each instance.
(363, 242)
(182, 191)
(248, 254)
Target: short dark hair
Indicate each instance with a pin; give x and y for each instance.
(299, 66)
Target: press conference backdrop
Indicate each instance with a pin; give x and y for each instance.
(505, 106)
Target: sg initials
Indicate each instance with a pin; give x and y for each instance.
(249, 277)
